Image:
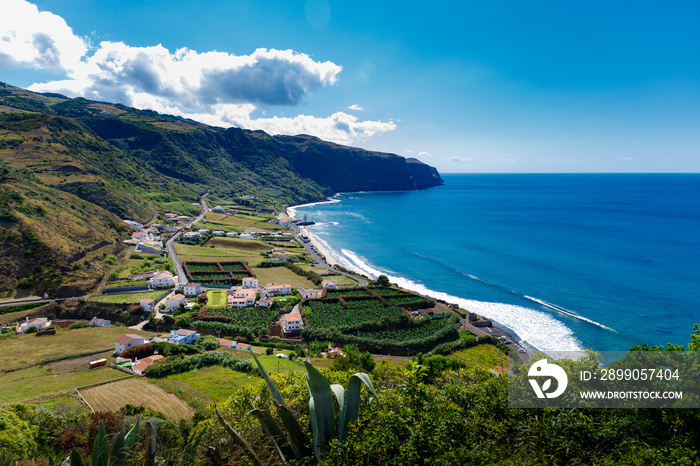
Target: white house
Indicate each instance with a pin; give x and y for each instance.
(192, 289)
(163, 280)
(141, 365)
(242, 301)
(218, 233)
(243, 292)
(39, 323)
(127, 341)
(147, 304)
(203, 231)
(100, 322)
(250, 282)
(192, 235)
(277, 290)
(174, 302)
(246, 235)
(183, 336)
(134, 224)
(331, 285)
(231, 234)
(292, 322)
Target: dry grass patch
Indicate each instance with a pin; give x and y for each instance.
(138, 392)
(281, 275)
(24, 350)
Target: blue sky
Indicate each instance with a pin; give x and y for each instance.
(464, 86)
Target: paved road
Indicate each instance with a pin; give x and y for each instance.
(361, 282)
(182, 277)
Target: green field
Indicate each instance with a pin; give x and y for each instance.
(128, 298)
(484, 356)
(37, 382)
(216, 298)
(206, 254)
(24, 350)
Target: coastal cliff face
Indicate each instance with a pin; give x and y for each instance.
(345, 169)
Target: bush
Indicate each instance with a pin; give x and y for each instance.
(79, 324)
(138, 351)
(178, 366)
(269, 351)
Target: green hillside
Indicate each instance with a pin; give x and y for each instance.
(71, 169)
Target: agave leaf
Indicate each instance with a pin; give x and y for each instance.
(75, 458)
(272, 430)
(132, 437)
(191, 447)
(351, 410)
(100, 449)
(296, 434)
(118, 455)
(321, 409)
(236, 436)
(276, 394)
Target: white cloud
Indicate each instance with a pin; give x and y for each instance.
(356, 108)
(33, 39)
(216, 88)
(461, 159)
(626, 159)
(424, 154)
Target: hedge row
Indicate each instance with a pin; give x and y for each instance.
(213, 358)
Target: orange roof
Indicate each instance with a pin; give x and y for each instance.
(124, 339)
(292, 317)
(145, 363)
(178, 296)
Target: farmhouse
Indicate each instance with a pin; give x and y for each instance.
(147, 304)
(163, 280)
(127, 341)
(331, 285)
(100, 322)
(250, 282)
(278, 290)
(243, 346)
(192, 289)
(231, 234)
(174, 302)
(183, 336)
(38, 323)
(292, 322)
(242, 301)
(308, 293)
(226, 343)
(140, 365)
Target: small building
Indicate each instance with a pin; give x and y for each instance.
(292, 322)
(278, 257)
(97, 363)
(127, 341)
(146, 304)
(278, 290)
(141, 365)
(243, 347)
(246, 235)
(264, 302)
(192, 235)
(243, 292)
(163, 279)
(226, 343)
(218, 209)
(192, 289)
(308, 293)
(331, 285)
(38, 323)
(250, 282)
(174, 302)
(183, 336)
(203, 231)
(100, 322)
(231, 234)
(143, 276)
(218, 233)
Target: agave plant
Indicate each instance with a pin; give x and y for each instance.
(119, 453)
(291, 442)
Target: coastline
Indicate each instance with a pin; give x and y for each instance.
(497, 329)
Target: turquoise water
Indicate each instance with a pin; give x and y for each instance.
(565, 261)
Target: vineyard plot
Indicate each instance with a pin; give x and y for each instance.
(217, 273)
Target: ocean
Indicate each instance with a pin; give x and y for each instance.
(563, 261)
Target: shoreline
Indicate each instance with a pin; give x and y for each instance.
(496, 327)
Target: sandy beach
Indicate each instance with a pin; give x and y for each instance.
(317, 244)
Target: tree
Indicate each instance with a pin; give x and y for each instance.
(17, 436)
(383, 280)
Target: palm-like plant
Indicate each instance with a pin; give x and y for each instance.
(291, 442)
